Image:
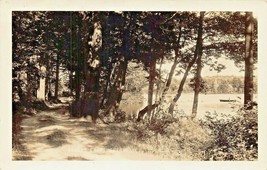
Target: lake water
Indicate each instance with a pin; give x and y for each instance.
(209, 103)
(206, 103)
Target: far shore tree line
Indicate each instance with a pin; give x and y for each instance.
(95, 48)
(218, 85)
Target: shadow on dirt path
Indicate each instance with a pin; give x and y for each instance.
(54, 135)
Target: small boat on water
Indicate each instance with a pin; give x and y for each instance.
(227, 100)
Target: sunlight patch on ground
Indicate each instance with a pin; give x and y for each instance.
(50, 128)
(50, 135)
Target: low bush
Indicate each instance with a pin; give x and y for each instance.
(180, 139)
(217, 137)
(236, 136)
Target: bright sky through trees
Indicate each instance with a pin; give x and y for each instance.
(230, 70)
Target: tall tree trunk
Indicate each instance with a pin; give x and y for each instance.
(77, 82)
(180, 89)
(123, 79)
(104, 96)
(71, 82)
(47, 81)
(126, 44)
(171, 73)
(71, 57)
(150, 106)
(42, 85)
(57, 78)
(116, 83)
(79, 62)
(248, 82)
(175, 62)
(196, 88)
(170, 76)
(117, 74)
(158, 82)
(152, 73)
(91, 97)
(199, 65)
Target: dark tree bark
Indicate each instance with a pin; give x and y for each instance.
(126, 53)
(180, 89)
(77, 82)
(152, 74)
(199, 65)
(116, 83)
(248, 82)
(150, 106)
(47, 81)
(57, 78)
(169, 80)
(159, 83)
(71, 58)
(88, 103)
(116, 73)
(71, 82)
(171, 73)
(79, 64)
(123, 79)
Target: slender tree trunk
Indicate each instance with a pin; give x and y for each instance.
(126, 43)
(169, 80)
(114, 86)
(42, 85)
(57, 78)
(71, 57)
(79, 64)
(158, 83)
(123, 79)
(116, 82)
(117, 74)
(71, 82)
(105, 91)
(248, 82)
(152, 73)
(199, 65)
(196, 88)
(171, 73)
(77, 82)
(47, 81)
(180, 89)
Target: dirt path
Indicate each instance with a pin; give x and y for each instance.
(53, 135)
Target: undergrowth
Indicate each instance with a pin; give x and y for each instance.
(177, 139)
(236, 138)
(217, 137)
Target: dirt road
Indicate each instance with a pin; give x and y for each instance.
(53, 135)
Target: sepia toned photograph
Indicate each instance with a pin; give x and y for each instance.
(134, 85)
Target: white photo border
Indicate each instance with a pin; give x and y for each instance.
(6, 8)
